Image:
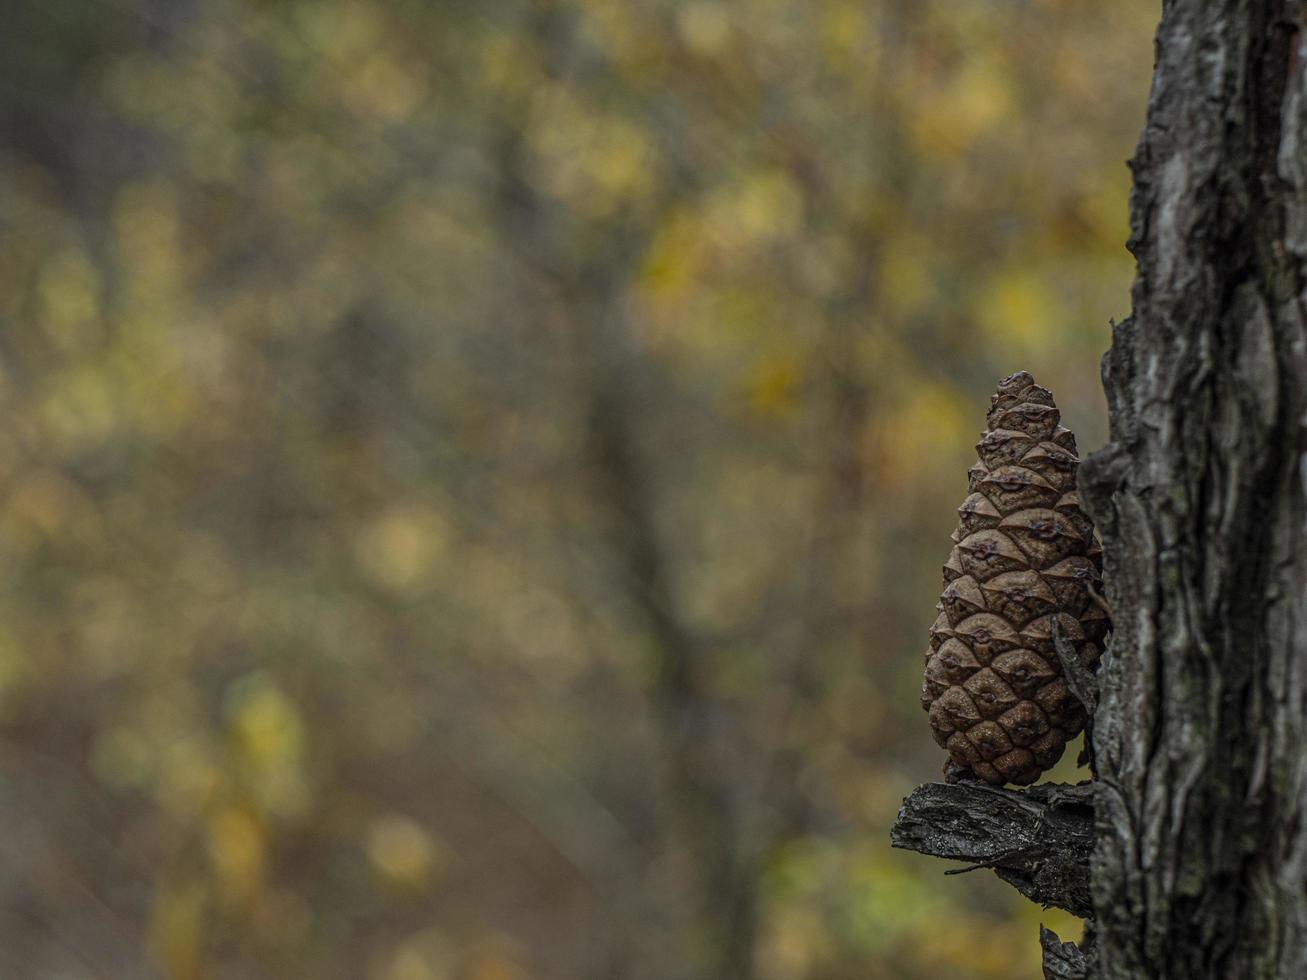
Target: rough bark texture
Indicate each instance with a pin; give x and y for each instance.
(1038, 840)
(1063, 961)
(1201, 862)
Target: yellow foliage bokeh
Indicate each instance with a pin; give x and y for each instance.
(474, 476)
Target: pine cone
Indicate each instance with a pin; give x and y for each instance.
(1024, 556)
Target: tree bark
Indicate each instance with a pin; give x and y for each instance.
(1200, 868)
(1037, 840)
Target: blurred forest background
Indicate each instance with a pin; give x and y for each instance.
(474, 473)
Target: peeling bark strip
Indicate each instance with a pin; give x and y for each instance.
(1201, 731)
(1037, 840)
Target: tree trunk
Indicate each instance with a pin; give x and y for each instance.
(1200, 868)
(1199, 855)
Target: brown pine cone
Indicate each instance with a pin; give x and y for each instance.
(1024, 557)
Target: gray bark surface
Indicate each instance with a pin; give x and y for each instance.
(1201, 861)
(1063, 961)
(1037, 840)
